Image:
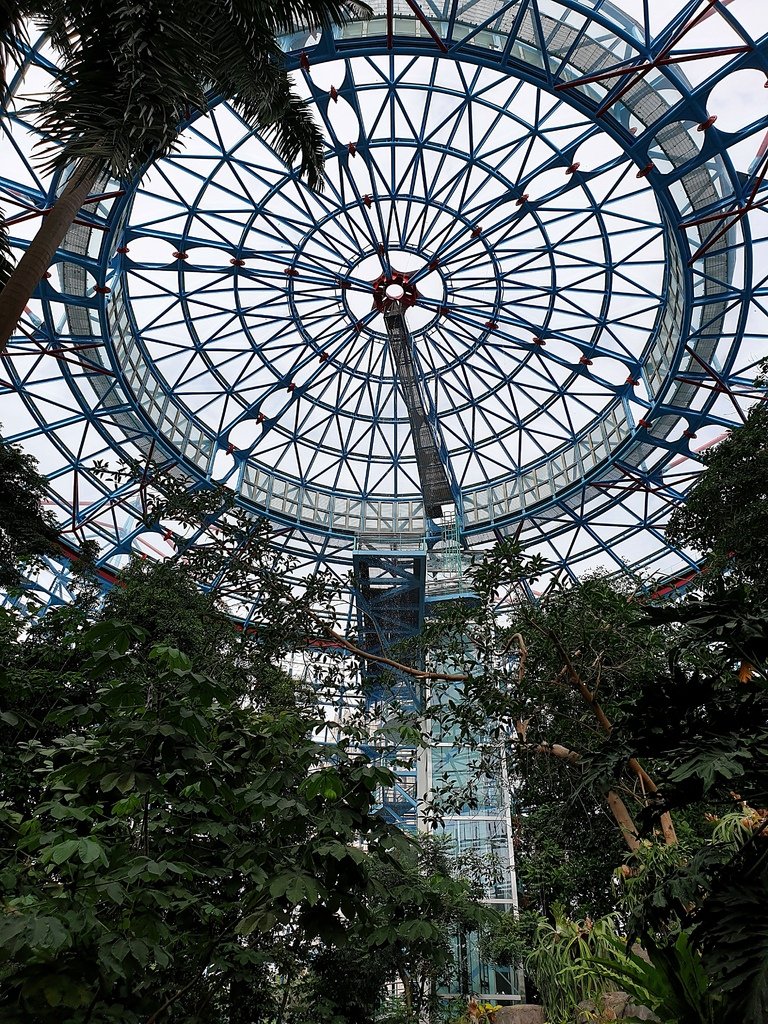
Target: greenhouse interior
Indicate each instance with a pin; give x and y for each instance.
(384, 489)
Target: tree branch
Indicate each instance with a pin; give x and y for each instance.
(380, 659)
(172, 999)
(185, 988)
(616, 805)
(523, 654)
(665, 820)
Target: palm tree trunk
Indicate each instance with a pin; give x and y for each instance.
(33, 264)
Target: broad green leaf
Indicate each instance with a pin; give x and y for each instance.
(89, 851)
(140, 951)
(115, 893)
(47, 933)
(63, 851)
(172, 657)
(262, 920)
(126, 782)
(109, 781)
(325, 783)
(120, 949)
(127, 806)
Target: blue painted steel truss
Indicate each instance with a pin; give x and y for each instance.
(577, 190)
(389, 589)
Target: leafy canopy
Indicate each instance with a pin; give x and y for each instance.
(133, 72)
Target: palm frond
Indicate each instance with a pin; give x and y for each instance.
(296, 133)
(56, 18)
(284, 16)
(128, 73)
(131, 69)
(13, 37)
(6, 259)
(250, 70)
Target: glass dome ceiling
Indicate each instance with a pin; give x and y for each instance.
(573, 193)
(528, 320)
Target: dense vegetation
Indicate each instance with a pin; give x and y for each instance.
(178, 845)
(630, 721)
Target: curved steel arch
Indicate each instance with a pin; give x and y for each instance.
(587, 244)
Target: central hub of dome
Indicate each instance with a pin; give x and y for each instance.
(393, 287)
(397, 275)
(566, 289)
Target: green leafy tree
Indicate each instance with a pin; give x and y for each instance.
(606, 703)
(178, 827)
(705, 722)
(174, 840)
(137, 746)
(417, 908)
(682, 691)
(725, 515)
(549, 687)
(27, 530)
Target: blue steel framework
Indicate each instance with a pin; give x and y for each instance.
(577, 192)
(483, 828)
(397, 586)
(389, 601)
(587, 239)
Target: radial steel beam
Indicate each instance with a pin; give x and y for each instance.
(434, 481)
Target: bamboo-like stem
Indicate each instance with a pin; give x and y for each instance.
(623, 819)
(616, 805)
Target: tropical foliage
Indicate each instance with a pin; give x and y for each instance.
(725, 516)
(176, 842)
(175, 836)
(415, 913)
(175, 825)
(27, 531)
(669, 980)
(555, 963)
(132, 73)
(646, 720)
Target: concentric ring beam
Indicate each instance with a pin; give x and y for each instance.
(593, 271)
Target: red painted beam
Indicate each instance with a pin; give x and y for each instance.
(638, 71)
(426, 23)
(104, 195)
(711, 372)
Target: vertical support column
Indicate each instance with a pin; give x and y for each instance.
(486, 827)
(389, 599)
(396, 584)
